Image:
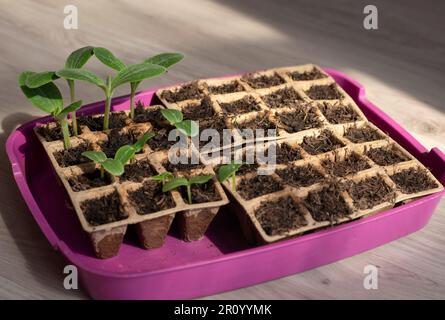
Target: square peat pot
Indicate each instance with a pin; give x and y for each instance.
(222, 260)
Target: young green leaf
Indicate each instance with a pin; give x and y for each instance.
(171, 115)
(137, 72)
(124, 154)
(142, 140)
(96, 156)
(227, 170)
(113, 166)
(39, 79)
(188, 127)
(175, 183)
(82, 75)
(200, 179)
(79, 57)
(47, 97)
(71, 108)
(165, 60)
(109, 59)
(164, 176)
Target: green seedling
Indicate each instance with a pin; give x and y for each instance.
(229, 170)
(176, 118)
(126, 74)
(128, 152)
(164, 177)
(184, 182)
(47, 97)
(112, 166)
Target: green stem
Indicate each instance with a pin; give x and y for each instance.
(65, 133)
(108, 95)
(189, 193)
(73, 114)
(102, 173)
(132, 94)
(233, 182)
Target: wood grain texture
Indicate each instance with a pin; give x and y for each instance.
(401, 65)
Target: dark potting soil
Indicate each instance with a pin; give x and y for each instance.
(116, 139)
(117, 120)
(339, 113)
(137, 171)
(299, 119)
(88, 180)
(199, 111)
(103, 210)
(186, 92)
(413, 180)
(322, 143)
(351, 164)
(324, 92)
(259, 122)
(363, 134)
(202, 193)
(149, 198)
(300, 176)
(182, 166)
(259, 185)
(216, 123)
(72, 156)
(285, 154)
(327, 204)
(370, 192)
(314, 74)
(244, 105)
(280, 216)
(152, 115)
(386, 156)
(55, 133)
(263, 81)
(160, 140)
(233, 86)
(286, 97)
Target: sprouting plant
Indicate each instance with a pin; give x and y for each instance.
(184, 182)
(164, 60)
(127, 152)
(126, 74)
(112, 166)
(229, 170)
(48, 98)
(164, 177)
(176, 118)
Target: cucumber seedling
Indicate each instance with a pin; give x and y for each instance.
(176, 118)
(128, 152)
(187, 183)
(229, 170)
(112, 166)
(164, 177)
(48, 98)
(126, 74)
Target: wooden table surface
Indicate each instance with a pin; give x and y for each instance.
(401, 65)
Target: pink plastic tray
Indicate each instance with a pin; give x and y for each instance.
(223, 260)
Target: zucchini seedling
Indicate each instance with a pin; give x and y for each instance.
(112, 166)
(128, 152)
(126, 74)
(164, 177)
(229, 170)
(176, 118)
(48, 98)
(184, 182)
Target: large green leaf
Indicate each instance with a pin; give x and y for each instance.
(188, 127)
(227, 170)
(165, 60)
(96, 156)
(71, 108)
(39, 79)
(142, 140)
(175, 183)
(124, 154)
(113, 166)
(137, 72)
(47, 97)
(200, 179)
(82, 75)
(79, 57)
(108, 58)
(172, 115)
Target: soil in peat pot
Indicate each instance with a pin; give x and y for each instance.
(147, 114)
(324, 92)
(201, 193)
(285, 153)
(299, 119)
(322, 143)
(339, 113)
(413, 180)
(350, 165)
(280, 216)
(313, 74)
(370, 192)
(102, 210)
(170, 167)
(116, 139)
(363, 134)
(327, 204)
(160, 140)
(199, 111)
(386, 156)
(55, 133)
(260, 121)
(88, 180)
(72, 156)
(286, 97)
(186, 92)
(259, 185)
(300, 176)
(243, 105)
(117, 120)
(138, 171)
(216, 123)
(149, 198)
(231, 87)
(263, 81)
